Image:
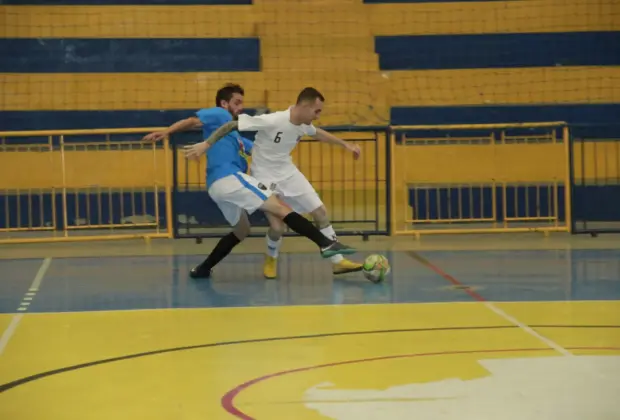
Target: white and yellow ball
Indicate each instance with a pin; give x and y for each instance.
(376, 268)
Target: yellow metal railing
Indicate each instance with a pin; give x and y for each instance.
(446, 183)
(82, 185)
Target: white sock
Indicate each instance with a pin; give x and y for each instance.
(273, 247)
(330, 233)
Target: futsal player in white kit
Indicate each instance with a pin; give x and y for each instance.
(277, 135)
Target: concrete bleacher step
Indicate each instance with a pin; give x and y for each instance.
(314, 26)
(309, 63)
(320, 34)
(326, 44)
(353, 79)
(351, 95)
(309, 3)
(346, 114)
(363, 62)
(311, 18)
(320, 51)
(317, 44)
(300, 9)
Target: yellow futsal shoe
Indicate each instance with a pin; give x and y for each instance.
(346, 266)
(270, 267)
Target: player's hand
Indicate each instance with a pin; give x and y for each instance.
(194, 151)
(154, 137)
(355, 149)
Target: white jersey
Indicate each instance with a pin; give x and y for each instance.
(276, 138)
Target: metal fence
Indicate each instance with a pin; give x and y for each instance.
(595, 178)
(355, 193)
(480, 178)
(410, 180)
(83, 185)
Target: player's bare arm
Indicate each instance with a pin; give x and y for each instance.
(182, 125)
(326, 137)
(194, 151)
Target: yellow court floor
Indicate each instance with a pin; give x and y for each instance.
(452, 334)
(455, 360)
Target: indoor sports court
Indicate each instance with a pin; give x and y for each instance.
(120, 330)
(489, 178)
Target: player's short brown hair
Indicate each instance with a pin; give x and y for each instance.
(309, 94)
(226, 92)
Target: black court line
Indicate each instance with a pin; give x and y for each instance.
(10, 385)
(575, 326)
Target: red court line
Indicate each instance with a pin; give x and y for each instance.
(446, 276)
(228, 400)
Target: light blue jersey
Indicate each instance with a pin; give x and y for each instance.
(229, 155)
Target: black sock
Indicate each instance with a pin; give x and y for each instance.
(221, 250)
(305, 228)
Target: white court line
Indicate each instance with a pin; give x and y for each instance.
(528, 329)
(8, 333)
(36, 283)
(492, 307)
(34, 287)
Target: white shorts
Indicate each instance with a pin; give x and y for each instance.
(296, 191)
(236, 193)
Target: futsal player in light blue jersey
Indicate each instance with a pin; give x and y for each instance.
(235, 192)
(228, 158)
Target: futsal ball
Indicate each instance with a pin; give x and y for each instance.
(376, 267)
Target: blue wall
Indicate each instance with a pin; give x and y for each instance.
(596, 203)
(77, 204)
(602, 114)
(423, 52)
(592, 203)
(129, 55)
(478, 203)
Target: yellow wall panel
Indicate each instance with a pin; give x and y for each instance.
(597, 161)
(330, 169)
(100, 168)
(505, 86)
(23, 170)
(328, 166)
(493, 17)
(95, 91)
(128, 21)
(458, 164)
(115, 168)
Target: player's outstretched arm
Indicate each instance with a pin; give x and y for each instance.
(194, 151)
(326, 137)
(182, 125)
(222, 132)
